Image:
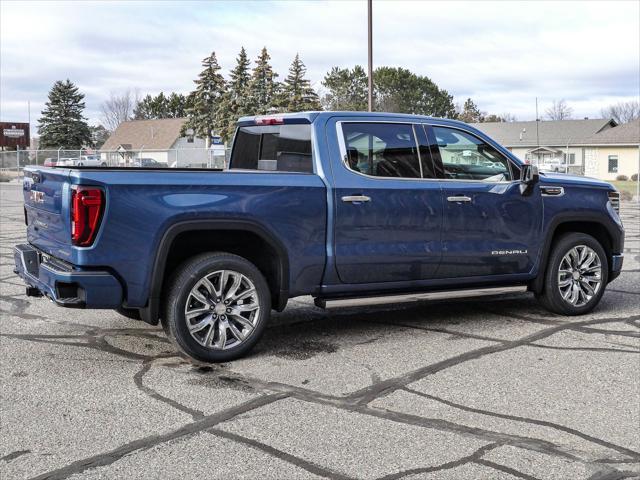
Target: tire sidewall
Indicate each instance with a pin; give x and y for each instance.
(561, 248)
(192, 272)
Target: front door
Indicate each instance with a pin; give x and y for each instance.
(388, 205)
(490, 228)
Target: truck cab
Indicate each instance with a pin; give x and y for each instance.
(330, 204)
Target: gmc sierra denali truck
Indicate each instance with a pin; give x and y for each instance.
(330, 204)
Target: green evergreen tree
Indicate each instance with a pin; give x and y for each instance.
(236, 100)
(161, 106)
(204, 115)
(470, 112)
(62, 123)
(263, 86)
(347, 89)
(297, 94)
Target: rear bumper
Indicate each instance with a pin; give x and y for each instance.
(616, 266)
(63, 284)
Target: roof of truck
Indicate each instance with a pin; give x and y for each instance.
(310, 116)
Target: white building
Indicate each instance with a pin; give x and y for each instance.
(159, 140)
(597, 147)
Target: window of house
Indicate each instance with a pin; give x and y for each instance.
(282, 148)
(613, 164)
(466, 157)
(382, 149)
(572, 158)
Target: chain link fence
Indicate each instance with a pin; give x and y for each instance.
(12, 163)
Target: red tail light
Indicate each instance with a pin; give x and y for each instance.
(87, 205)
(269, 120)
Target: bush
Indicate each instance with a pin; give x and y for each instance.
(4, 178)
(622, 178)
(634, 177)
(626, 195)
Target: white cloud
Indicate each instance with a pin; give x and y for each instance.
(502, 54)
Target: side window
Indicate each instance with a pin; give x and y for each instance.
(381, 149)
(282, 148)
(465, 157)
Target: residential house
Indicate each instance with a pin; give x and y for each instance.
(160, 140)
(593, 147)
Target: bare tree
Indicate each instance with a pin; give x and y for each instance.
(559, 110)
(622, 112)
(118, 108)
(508, 117)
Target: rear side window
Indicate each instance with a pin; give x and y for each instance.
(381, 149)
(466, 157)
(282, 148)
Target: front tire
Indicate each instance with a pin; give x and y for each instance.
(576, 275)
(217, 307)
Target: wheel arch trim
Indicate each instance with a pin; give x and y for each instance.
(150, 313)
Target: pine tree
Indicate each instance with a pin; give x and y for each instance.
(263, 86)
(204, 115)
(297, 94)
(62, 123)
(470, 112)
(236, 100)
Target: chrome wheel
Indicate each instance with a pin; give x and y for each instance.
(579, 275)
(222, 310)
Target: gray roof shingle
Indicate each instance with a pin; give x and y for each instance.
(150, 134)
(625, 134)
(554, 133)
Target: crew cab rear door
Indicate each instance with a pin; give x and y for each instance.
(489, 227)
(388, 205)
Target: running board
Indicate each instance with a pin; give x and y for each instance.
(414, 297)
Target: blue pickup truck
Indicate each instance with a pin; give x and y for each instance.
(330, 204)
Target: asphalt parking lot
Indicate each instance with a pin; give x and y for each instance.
(491, 388)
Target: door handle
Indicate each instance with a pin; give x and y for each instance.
(356, 198)
(459, 198)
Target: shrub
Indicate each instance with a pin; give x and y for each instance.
(622, 178)
(4, 178)
(626, 195)
(634, 177)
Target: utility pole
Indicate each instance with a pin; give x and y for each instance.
(370, 54)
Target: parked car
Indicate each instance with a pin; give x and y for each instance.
(67, 162)
(50, 162)
(554, 165)
(91, 161)
(334, 205)
(148, 163)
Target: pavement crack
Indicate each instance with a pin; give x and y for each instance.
(625, 451)
(505, 469)
(445, 466)
(145, 443)
(287, 457)
(138, 380)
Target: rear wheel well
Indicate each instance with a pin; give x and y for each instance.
(246, 244)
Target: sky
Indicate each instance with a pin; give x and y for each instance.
(501, 54)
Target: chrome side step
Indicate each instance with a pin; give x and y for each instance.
(414, 297)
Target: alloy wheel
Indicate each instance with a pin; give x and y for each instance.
(579, 275)
(222, 310)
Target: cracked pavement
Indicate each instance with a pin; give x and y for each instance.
(492, 387)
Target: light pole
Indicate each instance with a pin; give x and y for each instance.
(370, 55)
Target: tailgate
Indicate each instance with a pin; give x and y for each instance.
(46, 199)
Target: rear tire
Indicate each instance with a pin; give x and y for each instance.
(576, 275)
(217, 307)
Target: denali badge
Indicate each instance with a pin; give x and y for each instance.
(36, 197)
(508, 252)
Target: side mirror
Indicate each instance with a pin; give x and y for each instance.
(530, 176)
